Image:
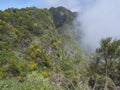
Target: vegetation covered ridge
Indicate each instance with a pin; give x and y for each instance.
(39, 50)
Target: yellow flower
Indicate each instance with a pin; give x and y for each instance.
(48, 57)
(38, 50)
(35, 24)
(31, 46)
(33, 65)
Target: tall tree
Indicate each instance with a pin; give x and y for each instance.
(106, 55)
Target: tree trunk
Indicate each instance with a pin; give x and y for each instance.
(106, 78)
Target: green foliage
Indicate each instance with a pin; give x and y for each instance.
(106, 62)
(33, 82)
(40, 50)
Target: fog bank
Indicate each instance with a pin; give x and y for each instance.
(98, 19)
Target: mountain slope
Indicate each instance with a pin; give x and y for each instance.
(30, 33)
(34, 40)
(62, 16)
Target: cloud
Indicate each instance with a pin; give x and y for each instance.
(100, 21)
(98, 18)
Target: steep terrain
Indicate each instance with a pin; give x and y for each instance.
(62, 16)
(40, 50)
(30, 43)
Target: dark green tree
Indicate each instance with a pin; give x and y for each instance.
(106, 59)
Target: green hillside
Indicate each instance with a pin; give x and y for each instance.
(30, 43)
(40, 50)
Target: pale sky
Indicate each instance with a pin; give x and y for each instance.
(71, 4)
(4, 4)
